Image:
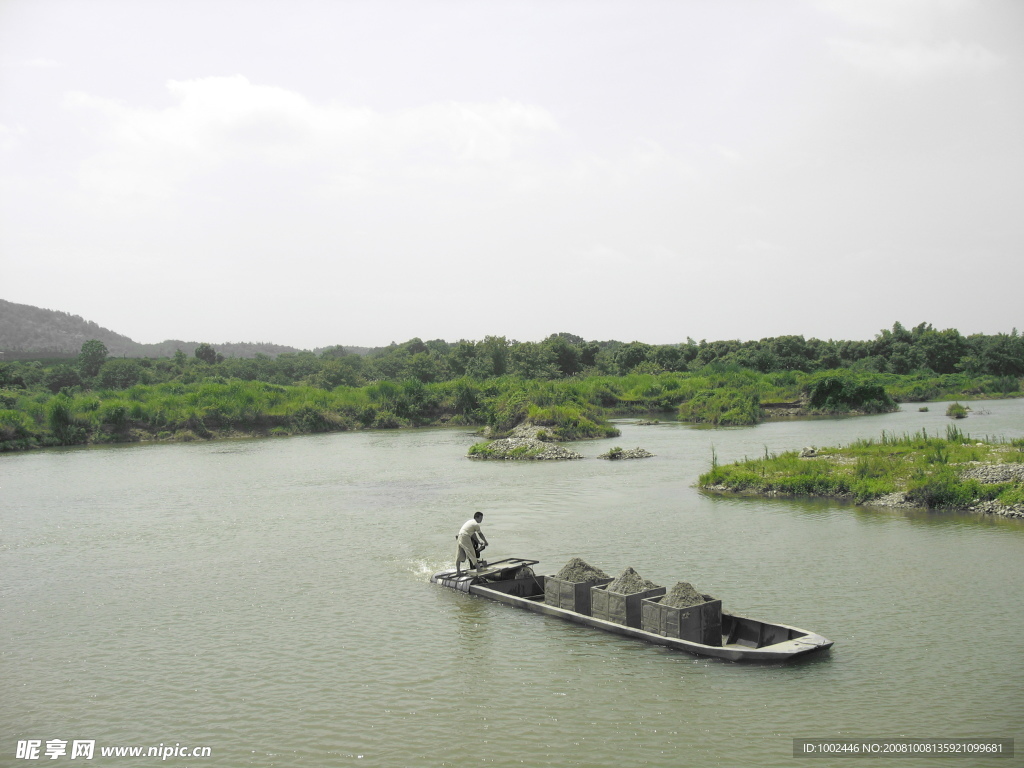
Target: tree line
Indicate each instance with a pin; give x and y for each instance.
(567, 385)
(898, 350)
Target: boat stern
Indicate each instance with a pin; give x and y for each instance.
(460, 581)
(498, 570)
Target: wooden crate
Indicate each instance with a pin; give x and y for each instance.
(570, 595)
(619, 608)
(696, 623)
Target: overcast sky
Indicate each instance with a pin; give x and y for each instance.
(318, 172)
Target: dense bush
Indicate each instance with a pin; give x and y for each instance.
(844, 391)
(956, 411)
(726, 407)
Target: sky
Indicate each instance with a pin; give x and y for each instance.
(320, 172)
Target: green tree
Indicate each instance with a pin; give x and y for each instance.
(942, 349)
(716, 351)
(343, 371)
(532, 361)
(566, 352)
(425, 367)
(91, 357)
(415, 346)
(461, 357)
(491, 359)
(1003, 354)
(21, 375)
(792, 353)
(293, 367)
(332, 352)
(669, 357)
(904, 358)
(207, 354)
(631, 355)
(588, 355)
(61, 376)
(390, 362)
(121, 374)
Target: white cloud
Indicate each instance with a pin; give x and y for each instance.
(219, 121)
(366, 173)
(915, 60)
(10, 136)
(909, 40)
(37, 62)
(731, 155)
(896, 16)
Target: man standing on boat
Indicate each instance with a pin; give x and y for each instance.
(465, 549)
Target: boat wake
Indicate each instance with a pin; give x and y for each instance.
(424, 568)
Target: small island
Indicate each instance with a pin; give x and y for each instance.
(525, 442)
(619, 454)
(955, 472)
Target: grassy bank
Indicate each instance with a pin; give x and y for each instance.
(206, 410)
(930, 470)
(569, 409)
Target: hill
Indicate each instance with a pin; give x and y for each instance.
(27, 331)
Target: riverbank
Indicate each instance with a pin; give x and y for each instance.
(954, 472)
(568, 409)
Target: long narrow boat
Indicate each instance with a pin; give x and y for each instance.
(512, 581)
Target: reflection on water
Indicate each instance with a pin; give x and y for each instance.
(271, 599)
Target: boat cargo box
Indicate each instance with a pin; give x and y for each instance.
(619, 608)
(695, 623)
(571, 595)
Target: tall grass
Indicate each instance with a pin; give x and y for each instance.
(925, 467)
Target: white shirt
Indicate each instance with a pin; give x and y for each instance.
(471, 526)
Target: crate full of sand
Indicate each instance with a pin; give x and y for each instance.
(684, 612)
(619, 601)
(570, 587)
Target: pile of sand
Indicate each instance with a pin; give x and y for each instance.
(578, 570)
(629, 582)
(683, 595)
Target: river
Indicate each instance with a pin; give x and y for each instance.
(270, 600)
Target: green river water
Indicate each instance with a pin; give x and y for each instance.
(270, 600)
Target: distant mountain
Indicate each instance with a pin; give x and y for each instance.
(27, 331)
(31, 330)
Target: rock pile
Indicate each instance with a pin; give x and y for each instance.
(631, 453)
(580, 570)
(995, 508)
(896, 500)
(683, 595)
(527, 431)
(629, 582)
(524, 443)
(995, 473)
(899, 500)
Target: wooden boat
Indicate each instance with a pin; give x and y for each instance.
(512, 581)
